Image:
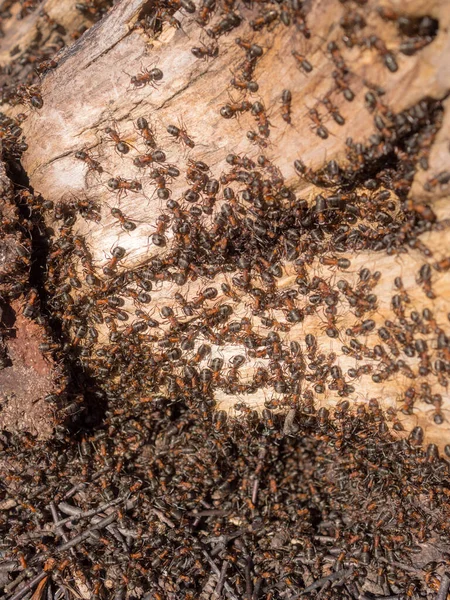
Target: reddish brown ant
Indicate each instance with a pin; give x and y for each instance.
(333, 110)
(92, 164)
(121, 146)
(117, 254)
(181, 135)
(206, 51)
(146, 132)
(205, 12)
(302, 62)
(232, 109)
(123, 185)
(146, 76)
(321, 131)
(124, 221)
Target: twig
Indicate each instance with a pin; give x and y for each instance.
(69, 509)
(162, 517)
(9, 588)
(256, 589)
(29, 586)
(92, 512)
(209, 513)
(59, 530)
(216, 570)
(83, 484)
(255, 491)
(248, 579)
(399, 565)
(221, 580)
(444, 587)
(83, 536)
(321, 582)
(8, 565)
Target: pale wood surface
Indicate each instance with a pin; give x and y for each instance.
(90, 90)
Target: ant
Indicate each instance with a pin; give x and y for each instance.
(117, 254)
(286, 106)
(205, 12)
(232, 109)
(147, 159)
(258, 111)
(181, 135)
(125, 223)
(146, 132)
(321, 131)
(122, 185)
(256, 139)
(146, 76)
(206, 51)
(333, 110)
(92, 164)
(121, 146)
(302, 62)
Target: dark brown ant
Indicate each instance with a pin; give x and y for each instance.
(30, 95)
(424, 210)
(321, 131)
(258, 111)
(441, 178)
(145, 317)
(30, 307)
(170, 171)
(225, 25)
(286, 106)
(121, 146)
(122, 185)
(302, 62)
(186, 5)
(205, 12)
(244, 162)
(161, 184)
(410, 47)
(336, 57)
(333, 110)
(145, 160)
(241, 84)
(230, 110)
(388, 58)
(181, 135)
(46, 65)
(253, 50)
(340, 263)
(146, 132)
(442, 265)
(206, 51)
(88, 208)
(162, 224)
(124, 221)
(424, 278)
(260, 22)
(209, 293)
(228, 291)
(387, 13)
(257, 139)
(92, 164)
(117, 254)
(342, 86)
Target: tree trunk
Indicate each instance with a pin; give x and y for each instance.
(391, 192)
